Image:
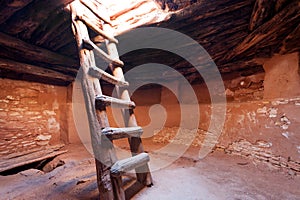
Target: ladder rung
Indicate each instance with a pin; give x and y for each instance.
(91, 45)
(128, 164)
(103, 100)
(97, 9)
(88, 22)
(119, 133)
(101, 74)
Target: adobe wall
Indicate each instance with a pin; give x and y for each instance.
(261, 120)
(32, 115)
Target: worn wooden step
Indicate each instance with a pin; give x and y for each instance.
(101, 74)
(87, 19)
(88, 44)
(128, 164)
(119, 133)
(103, 101)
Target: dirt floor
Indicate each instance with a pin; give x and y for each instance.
(218, 176)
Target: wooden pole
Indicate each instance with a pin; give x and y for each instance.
(109, 187)
(143, 172)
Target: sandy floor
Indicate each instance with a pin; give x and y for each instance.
(218, 176)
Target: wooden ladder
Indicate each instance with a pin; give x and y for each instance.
(88, 13)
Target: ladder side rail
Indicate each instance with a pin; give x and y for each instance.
(128, 114)
(109, 187)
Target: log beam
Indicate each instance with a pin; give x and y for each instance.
(97, 8)
(262, 11)
(280, 4)
(8, 8)
(51, 27)
(270, 31)
(291, 42)
(16, 160)
(94, 22)
(23, 68)
(26, 22)
(204, 10)
(22, 51)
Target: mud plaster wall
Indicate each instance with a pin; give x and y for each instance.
(282, 76)
(262, 128)
(32, 115)
(262, 114)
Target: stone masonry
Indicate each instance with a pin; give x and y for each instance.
(30, 115)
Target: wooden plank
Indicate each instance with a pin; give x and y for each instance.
(128, 164)
(33, 70)
(18, 154)
(56, 42)
(134, 5)
(103, 101)
(280, 4)
(268, 32)
(52, 23)
(28, 158)
(136, 146)
(55, 33)
(204, 10)
(109, 187)
(263, 10)
(25, 22)
(96, 28)
(119, 133)
(101, 74)
(132, 14)
(291, 43)
(90, 45)
(97, 8)
(9, 7)
(24, 51)
(68, 50)
(94, 22)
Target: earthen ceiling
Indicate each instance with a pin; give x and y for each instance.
(37, 44)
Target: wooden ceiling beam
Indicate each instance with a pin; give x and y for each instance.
(263, 10)
(280, 4)
(51, 26)
(9, 7)
(62, 39)
(19, 50)
(203, 10)
(26, 22)
(23, 68)
(97, 8)
(269, 32)
(291, 42)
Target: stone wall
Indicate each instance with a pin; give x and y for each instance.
(267, 131)
(32, 115)
(262, 116)
(260, 127)
(262, 130)
(261, 151)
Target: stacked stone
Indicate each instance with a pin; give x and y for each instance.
(28, 117)
(261, 151)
